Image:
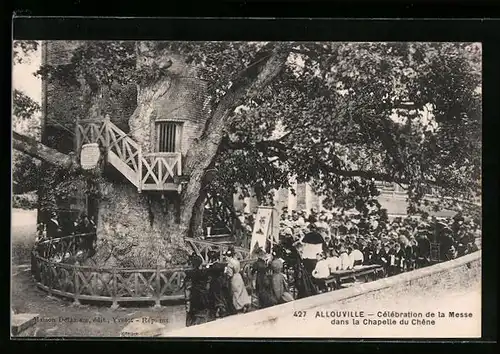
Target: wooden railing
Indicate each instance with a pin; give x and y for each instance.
(152, 171)
(55, 270)
(202, 248)
(159, 170)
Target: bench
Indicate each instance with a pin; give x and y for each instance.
(339, 277)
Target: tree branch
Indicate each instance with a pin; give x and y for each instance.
(39, 151)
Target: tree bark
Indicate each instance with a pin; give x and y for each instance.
(202, 152)
(132, 229)
(135, 229)
(196, 229)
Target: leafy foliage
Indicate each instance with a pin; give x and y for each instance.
(25, 170)
(402, 112)
(25, 173)
(349, 113)
(23, 106)
(20, 50)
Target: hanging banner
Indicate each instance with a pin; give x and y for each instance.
(266, 228)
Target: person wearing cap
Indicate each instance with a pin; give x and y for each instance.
(240, 297)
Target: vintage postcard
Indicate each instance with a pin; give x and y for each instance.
(246, 189)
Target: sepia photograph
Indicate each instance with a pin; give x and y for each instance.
(246, 189)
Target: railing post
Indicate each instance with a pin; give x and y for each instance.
(76, 299)
(78, 141)
(50, 266)
(106, 130)
(139, 166)
(158, 288)
(114, 291)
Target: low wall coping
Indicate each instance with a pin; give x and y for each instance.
(22, 321)
(273, 313)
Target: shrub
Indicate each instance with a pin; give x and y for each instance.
(25, 201)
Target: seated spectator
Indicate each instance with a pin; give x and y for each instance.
(322, 269)
(356, 256)
(345, 260)
(333, 261)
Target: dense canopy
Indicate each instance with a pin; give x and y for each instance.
(340, 115)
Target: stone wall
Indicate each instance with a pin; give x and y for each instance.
(427, 288)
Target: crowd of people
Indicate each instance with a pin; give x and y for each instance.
(84, 225)
(312, 246)
(216, 288)
(408, 238)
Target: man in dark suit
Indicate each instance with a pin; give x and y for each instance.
(397, 258)
(53, 228)
(380, 256)
(447, 248)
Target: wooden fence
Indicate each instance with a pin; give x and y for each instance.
(52, 269)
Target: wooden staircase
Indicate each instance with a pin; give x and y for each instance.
(226, 227)
(147, 171)
(159, 171)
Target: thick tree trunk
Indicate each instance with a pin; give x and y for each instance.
(132, 230)
(136, 229)
(202, 153)
(196, 229)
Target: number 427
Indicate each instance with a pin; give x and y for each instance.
(299, 314)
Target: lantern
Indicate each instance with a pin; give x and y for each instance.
(89, 156)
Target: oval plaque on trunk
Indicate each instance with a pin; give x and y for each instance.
(89, 156)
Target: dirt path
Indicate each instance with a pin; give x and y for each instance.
(60, 318)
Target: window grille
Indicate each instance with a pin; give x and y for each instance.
(168, 136)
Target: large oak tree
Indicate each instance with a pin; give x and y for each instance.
(341, 115)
